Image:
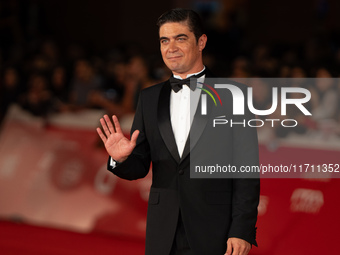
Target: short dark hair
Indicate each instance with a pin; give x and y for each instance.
(182, 15)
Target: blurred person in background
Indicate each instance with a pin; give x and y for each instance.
(161, 72)
(138, 70)
(262, 62)
(37, 99)
(85, 82)
(37, 64)
(50, 52)
(9, 90)
(284, 71)
(60, 89)
(134, 76)
(324, 97)
(115, 75)
(325, 102)
(241, 68)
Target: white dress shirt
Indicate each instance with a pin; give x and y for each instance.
(180, 116)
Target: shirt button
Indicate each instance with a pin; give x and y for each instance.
(181, 172)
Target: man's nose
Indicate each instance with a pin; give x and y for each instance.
(173, 46)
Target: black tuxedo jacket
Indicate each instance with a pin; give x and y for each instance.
(212, 210)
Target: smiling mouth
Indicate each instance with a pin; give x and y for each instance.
(174, 57)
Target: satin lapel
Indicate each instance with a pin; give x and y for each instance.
(164, 121)
(198, 125)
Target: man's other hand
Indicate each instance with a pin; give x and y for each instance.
(237, 246)
(116, 144)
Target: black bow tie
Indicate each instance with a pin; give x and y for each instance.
(177, 84)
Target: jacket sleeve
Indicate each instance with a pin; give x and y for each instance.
(137, 165)
(246, 187)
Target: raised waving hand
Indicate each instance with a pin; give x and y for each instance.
(116, 144)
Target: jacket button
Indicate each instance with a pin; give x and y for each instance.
(181, 172)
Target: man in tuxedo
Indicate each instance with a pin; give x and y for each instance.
(185, 215)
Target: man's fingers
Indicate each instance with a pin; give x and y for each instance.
(117, 125)
(229, 248)
(134, 137)
(235, 250)
(106, 130)
(109, 124)
(101, 135)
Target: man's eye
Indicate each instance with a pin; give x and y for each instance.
(164, 41)
(181, 39)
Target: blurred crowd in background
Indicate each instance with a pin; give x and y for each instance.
(45, 77)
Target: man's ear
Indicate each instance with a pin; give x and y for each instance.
(202, 41)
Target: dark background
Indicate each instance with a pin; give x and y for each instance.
(106, 23)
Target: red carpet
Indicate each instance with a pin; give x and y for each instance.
(22, 239)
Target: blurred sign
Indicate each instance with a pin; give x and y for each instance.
(56, 176)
